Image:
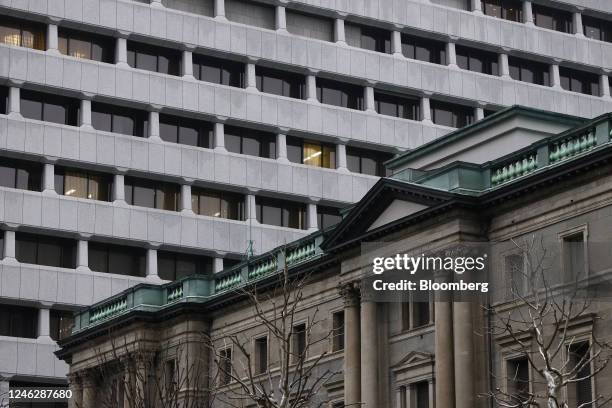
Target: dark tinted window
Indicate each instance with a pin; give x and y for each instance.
(82, 184)
(507, 9)
(279, 212)
(173, 266)
(218, 71)
(339, 94)
(3, 100)
(20, 174)
(579, 81)
(597, 29)
(18, 321)
(311, 152)
(221, 204)
(22, 33)
(60, 324)
(85, 45)
(423, 50)
(45, 250)
(327, 216)
(280, 83)
(448, 114)
(151, 194)
(251, 142)
(117, 259)
(553, 19)
(50, 108)
(152, 58)
(477, 60)
(117, 119)
(186, 131)
(398, 106)
(373, 39)
(529, 71)
(366, 161)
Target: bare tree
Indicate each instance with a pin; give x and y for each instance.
(540, 328)
(298, 375)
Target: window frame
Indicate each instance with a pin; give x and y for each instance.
(157, 187)
(574, 75)
(71, 106)
(197, 193)
(489, 60)
(352, 93)
(556, 17)
(454, 109)
(203, 265)
(328, 151)
(223, 65)
(106, 44)
(408, 104)
(60, 174)
(434, 47)
(30, 332)
(34, 173)
(257, 369)
(604, 28)
(362, 154)
(174, 57)
(523, 64)
(296, 90)
(138, 257)
(67, 249)
(321, 216)
(564, 238)
(504, 8)
(139, 117)
(224, 377)
(26, 25)
(266, 140)
(283, 206)
(338, 332)
(205, 130)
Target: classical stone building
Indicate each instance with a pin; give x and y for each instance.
(518, 174)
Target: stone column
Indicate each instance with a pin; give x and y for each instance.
(220, 10)
(52, 38)
(527, 13)
(83, 256)
(339, 33)
(311, 88)
(85, 113)
(479, 113)
(186, 199)
(76, 386)
(219, 137)
(352, 345)
(119, 189)
(9, 247)
(251, 208)
(121, 52)
(463, 354)
(154, 125)
(555, 77)
(44, 320)
(425, 110)
(281, 19)
(368, 97)
(577, 20)
(144, 364)
(151, 265)
(444, 364)
(604, 85)
(451, 54)
(89, 390)
(476, 6)
(217, 265)
(341, 157)
(504, 66)
(48, 179)
(187, 64)
(251, 77)
(369, 355)
(14, 103)
(396, 44)
(311, 217)
(281, 148)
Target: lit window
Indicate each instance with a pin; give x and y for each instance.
(75, 183)
(85, 45)
(220, 204)
(312, 153)
(22, 33)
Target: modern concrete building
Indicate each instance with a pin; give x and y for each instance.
(423, 353)
(144, 141)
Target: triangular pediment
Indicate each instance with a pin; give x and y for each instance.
(414, 358)
(396, 210)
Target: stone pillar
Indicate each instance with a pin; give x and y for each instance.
(444, 364)
(352, 345)
(339, 33)
(217, 265)
(577, 20)
(281, 19)
(504, 66)
(186, 207)
(431, 384)
(187, 64)
(76, 386)
(44, 320)
(368, 97)
(311, 88)
(219, 137)
(119, 189)
(48, 179)
(14, 102)
(220, 10)
(154, 126)
(463, 332)
(251, 208)
(476, 6)
(89, 390)
(251, 77)
(311, 217)
(527, 13)
(281, 148)
(85, 114)
(341, 157)
(425, 110)
(144, 364)
(451, 54)
(604, 85)
(52, 38)
(396, 44)
(479, 113)
(9, 247)
(83, 256)
(151, 265)
(369, 355)
(121, 52)
(555, 77)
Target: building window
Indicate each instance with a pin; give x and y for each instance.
(173, 266)
(251, 142)
(261, 355)
(201, 7)
(338, 404)
(22, 33)
(250, 13)
(50, 108)
(507, 9)
(338, 331)
(366, 161)
(185, 131)
(153, 58)
(109, 118)
(218, 71)
(475, 60)
(579, 81)
(1, 244)
(574, 259)
(220, 204)
(398, 106)
(18, 321)
(20, 174)
(225, 366)
(298, 346)
(529, 71)
(85, 45)
(280, 83)
(120, 260)
(312, 153)
(3, 100)
(553, 19)
(597, 29)
(281, 213)
(423, 49)
(60, 324)
(452, 115)
(152, 194)
(311, 26)
(327, 216)
(517, 374)
(580, 393)
(416, 314)
(339, 94)
(45, 250)
(82, 184)
(368, 38)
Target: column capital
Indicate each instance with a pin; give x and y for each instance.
(351, 293)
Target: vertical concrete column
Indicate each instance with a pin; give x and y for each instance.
(154, 125)
(151, 265)
(311, 217)
(555, 77)
(281, 148)
(339, 33)
(281, 19)
(527, 12)
(577, 20)
(89, 390)
(52, 38)
(220, 10)
(251, 78)
(121, 52)
(44, 320)
(396, 43)
(341, 157)
(368, 96)
(82, 255)
(85, 113)
(186, 199)
(504, 66)
(369, 355)
(156, 3)
(451, 54)
(76, 386)
(251, 207)
(463, 332)
(352, 345)
(219, 137)
(478, 113)
(604, 85)
(14, 108)
(426, 109)
(431, 385)
(444, 364)
(311, 87)
(48, 179)
(217, 265)
(9, 246)
(476, 6)
(187, 64)
(119, 189)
